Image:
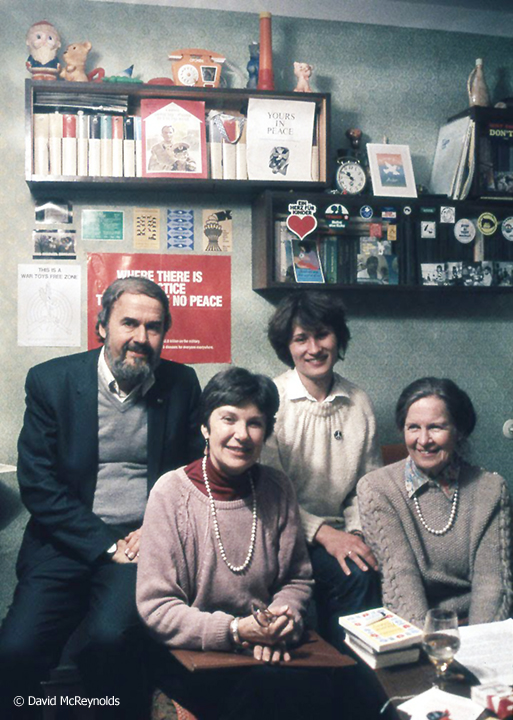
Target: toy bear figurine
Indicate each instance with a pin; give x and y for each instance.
(75, 59)
(303, 72)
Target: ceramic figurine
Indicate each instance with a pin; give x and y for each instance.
(476, 86)
(252, 66)
(75, 58)
(354, 135)
(43, 41)
(303, 72)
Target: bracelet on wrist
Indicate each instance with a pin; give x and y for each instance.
(234, 632)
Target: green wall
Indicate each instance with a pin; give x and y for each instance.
(395, 82)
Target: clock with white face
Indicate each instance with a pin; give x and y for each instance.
(351, 177)
(188, 75)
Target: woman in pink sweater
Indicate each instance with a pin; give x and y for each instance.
(221, 538)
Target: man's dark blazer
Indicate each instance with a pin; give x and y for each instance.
(58, 450)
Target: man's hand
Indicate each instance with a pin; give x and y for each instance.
(120, 556)
(343, 545)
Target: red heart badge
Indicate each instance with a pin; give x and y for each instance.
(301, 225)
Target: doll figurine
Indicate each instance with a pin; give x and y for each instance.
(43, 41)
(253, 64)
(303, 72)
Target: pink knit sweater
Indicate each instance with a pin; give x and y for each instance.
(186, 594)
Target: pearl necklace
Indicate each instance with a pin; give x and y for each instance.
(234, 568)
(452, 516)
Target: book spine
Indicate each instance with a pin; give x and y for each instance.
(215, 150)
(105, 145)
(94, 145)
(82, 143)
(240, 149)
(229, 161)
(41, 131)
(138, 146)
(117, 146)
(69, 145)
(128, 147)
(55, 143)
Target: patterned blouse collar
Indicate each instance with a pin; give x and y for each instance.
(415, 479)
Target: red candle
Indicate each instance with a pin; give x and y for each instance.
(265, 71)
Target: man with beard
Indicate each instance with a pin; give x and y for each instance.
(100, 427)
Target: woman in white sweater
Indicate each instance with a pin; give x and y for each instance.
(325, 440)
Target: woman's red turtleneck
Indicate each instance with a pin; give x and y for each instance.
(223, 487)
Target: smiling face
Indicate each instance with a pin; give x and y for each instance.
(430, 434)
(314, 353)
(133, 338)
(236, 436)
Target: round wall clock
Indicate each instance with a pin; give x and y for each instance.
(350, 177)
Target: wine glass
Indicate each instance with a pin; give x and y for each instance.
(441, 640)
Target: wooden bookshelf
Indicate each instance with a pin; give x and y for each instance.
(410, 248)
(37, 93)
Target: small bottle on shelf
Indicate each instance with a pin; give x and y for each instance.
(476, 85)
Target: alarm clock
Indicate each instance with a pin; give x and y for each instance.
(194, 67)
(350, 177)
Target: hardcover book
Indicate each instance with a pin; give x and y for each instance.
(385, 659)
(173, 138)
(381, 630)
(280, 139)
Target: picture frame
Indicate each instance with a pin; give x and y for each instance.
(391, 170)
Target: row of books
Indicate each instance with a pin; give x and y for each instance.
(340, 259)
(381, 638)
(79, 145)
(275, 140)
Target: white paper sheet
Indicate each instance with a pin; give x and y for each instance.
(435, 699)
(487, 651)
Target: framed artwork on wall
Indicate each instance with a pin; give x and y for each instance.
(391, 170)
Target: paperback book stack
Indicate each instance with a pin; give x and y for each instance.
(381, 638)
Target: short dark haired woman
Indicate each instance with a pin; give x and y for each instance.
(222, 538)
(325, 440)
(440, 527)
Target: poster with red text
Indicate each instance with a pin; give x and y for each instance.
(199, 291)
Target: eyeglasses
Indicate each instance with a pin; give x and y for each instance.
(263, 616)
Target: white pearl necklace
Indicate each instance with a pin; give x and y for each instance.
(234, 568)
(452, 516)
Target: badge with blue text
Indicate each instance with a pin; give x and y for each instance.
(464, 231)
(507, 228)
(366, 212)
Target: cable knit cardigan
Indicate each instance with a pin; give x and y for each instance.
(186, 594)
(324, 447)
(468, 569)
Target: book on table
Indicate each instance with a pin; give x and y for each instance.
(384, 659)
(379, 632)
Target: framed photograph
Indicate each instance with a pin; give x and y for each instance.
(391, 170)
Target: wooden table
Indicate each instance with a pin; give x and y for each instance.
(400, 681)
